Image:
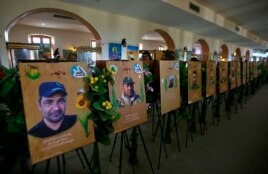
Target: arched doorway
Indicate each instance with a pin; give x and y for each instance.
(156, 41)
(205, 50)
(62, 17)
(169, 41)
(247, 56)
(224, 53)
(237, 54)
(54, 10)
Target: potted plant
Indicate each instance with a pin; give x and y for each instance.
(13, 134)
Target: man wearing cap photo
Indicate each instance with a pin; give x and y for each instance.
(52, 105)
(129, 96)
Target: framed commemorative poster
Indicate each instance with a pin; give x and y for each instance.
(127, 94)
(244, 73)
(210, 78)
(223, 76)
(238, 74)
(55, 107)
(232, 75)
(255, 69)
(169, 85)
(259, 63)
(251, 70)
(248, 72)
(194, 81)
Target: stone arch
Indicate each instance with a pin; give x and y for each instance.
(169, 41)
(54, 10)
(205, 49)
(237, 55)
(224, 52)
(247, 56)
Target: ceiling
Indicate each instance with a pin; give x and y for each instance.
(249, 14)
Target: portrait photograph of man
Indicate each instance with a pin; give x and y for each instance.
(53, 119)
(128, 93)
(194, 81)
(129, 97)
(52, 106)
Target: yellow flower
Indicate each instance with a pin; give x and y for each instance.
(81, 102)
(107, 105)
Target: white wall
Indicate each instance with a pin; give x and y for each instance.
(111, 27)
(152, 45)
(65, 40)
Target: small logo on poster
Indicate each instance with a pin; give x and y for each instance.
(78, 72)
(32, 72)
(137, 68)
(176, 66)
(113, 68)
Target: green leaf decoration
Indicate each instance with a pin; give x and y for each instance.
(84, 123)
(7, 86)
(165, 84)
(102, 116)
(142, 96)
(97, 105)
(176, 82)
(114, 102)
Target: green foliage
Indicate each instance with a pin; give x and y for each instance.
(142, 91)
(165, 84)
(204, 77)
(13, 134)
(184, 82)
(103, 113)
(150, 94)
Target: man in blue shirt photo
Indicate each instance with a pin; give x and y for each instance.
(52, 105)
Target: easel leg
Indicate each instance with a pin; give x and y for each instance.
(200, 118)
(177, 135)
(113, 147)
(47, 166)
(147, 154)
(86, 159)
(188, 126)
(58, 164)
(161, 141)
(80, 158)
(235, 100)
(121, 151)
(63, 163)
(157, 126)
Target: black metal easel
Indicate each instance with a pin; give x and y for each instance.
(154, 105)
(64, 162)
(124, 139)
(190, 122)
(161, 124)
(202, 119)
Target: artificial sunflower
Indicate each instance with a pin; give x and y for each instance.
(81, 102)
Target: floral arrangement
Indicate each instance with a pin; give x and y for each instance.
(148, 79)
(103, 113)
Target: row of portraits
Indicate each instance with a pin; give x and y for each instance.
(55, 104)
